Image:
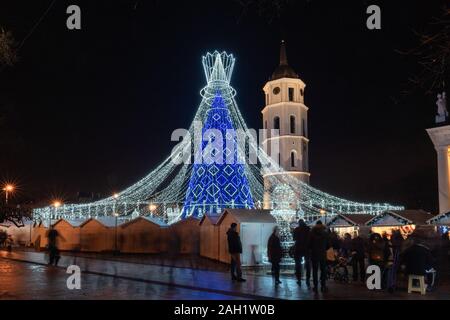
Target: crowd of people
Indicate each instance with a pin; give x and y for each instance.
(318, 251)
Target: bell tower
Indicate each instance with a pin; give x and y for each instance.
(286, 111)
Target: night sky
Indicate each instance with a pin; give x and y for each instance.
(93, 110)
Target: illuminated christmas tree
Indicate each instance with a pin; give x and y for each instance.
(219, 181)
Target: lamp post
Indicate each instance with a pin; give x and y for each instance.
(8, 188)
(152, 207)
(324, 213)
(56, 204)
(116, 215)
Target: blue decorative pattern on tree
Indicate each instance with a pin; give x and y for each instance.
(219, 181)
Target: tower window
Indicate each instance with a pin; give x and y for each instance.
(276, 123)
(304, 128)
(265, 124)
(301, 92)
(293, 159)
(292, 124)
(276, 90)
(291, 94)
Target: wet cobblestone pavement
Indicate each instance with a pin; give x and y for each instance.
(26, 281)
(25, 275)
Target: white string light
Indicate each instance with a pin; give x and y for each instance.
(164, 188)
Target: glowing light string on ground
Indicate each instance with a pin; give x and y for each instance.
(163, 191)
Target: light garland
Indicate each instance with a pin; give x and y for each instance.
(167, 187)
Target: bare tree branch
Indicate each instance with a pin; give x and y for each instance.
(433, 55)
(7, 48)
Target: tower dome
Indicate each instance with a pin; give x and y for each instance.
(283, 70)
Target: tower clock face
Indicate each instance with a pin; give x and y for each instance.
(276, 90)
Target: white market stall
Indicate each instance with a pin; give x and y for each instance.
(349, 223)
(22, 235)
(404, 220)
(254, 227)
(143, 235)
(441, 222)
(184, 236)
(39, 234)
(209, 236)
(97, 235)
(69, 234)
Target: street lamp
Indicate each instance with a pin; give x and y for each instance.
(8, 188)
(152, 207)
(324, 213)
(116, 215)
(56, 204)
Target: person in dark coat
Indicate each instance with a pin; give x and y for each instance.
(376, 249)
(387, 248)
(301, 237)
(274, 253)
(235, 250)
(53, 250)
(358, 251)
(318, 245)
(346, 247)
(335, 241)
(396, 242)
(417, 259)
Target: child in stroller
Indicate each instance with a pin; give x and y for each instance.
(337, 265)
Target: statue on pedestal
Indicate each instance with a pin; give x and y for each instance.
(442, 112)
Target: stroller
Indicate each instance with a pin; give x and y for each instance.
(337, 266)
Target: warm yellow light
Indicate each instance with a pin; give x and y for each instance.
(116, 214)
(322, 212)
(8, 188)
(115, 195)
(152, 207)
(57, 204)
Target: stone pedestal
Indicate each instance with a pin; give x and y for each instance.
(441, 140)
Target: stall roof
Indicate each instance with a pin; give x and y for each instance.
(108, 222)
(187, 219)
(213, 218)
(359, 219)
(416, 217)
(155, 220)
(440, 219)
(46, 222)
(73, 223)
(249, 215)
(150, 219)
(351, 219)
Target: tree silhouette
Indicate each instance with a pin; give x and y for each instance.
(433, 55)
(7, 48)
